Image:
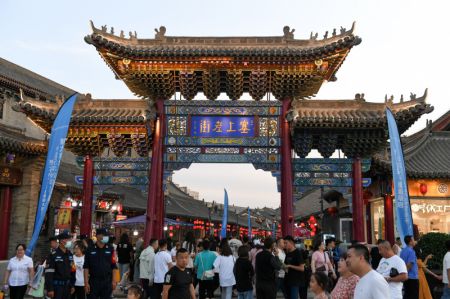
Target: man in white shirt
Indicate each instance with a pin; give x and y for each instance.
(163, 262)
(446, 272)
(147, 267)
(397, 247)
(371, 284)
(393, 269)
(282, 256)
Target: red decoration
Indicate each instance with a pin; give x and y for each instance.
(423, 188)
(290, 218)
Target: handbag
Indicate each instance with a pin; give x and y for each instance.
(207, 274)
(39, 292)
(394, 272)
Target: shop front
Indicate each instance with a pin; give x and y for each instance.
(430, 208)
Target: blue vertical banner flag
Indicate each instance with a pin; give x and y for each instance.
(402, 204)
(56, 144)
(223, 232)
(249, 224)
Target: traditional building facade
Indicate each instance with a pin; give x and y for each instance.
(427, 163)
(290, 70)
(23, 147)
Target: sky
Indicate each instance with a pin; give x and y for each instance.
(404, 49)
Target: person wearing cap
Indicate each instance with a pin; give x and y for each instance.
(99, 264)
(59, 272)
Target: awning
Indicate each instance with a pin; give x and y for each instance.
(141, 220)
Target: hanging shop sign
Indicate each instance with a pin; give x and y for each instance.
(430, 208)
(222, 126)
(10, 176)
(64, 218)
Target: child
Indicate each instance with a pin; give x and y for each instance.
(135, 292)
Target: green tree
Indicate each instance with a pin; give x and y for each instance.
(434, 243)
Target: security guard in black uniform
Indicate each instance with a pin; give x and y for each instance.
(59, 274)
(99, 264)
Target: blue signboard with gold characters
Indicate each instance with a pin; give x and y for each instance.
(222, 126)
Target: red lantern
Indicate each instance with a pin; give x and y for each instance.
(332, 210)
(423, 188)
(119, 208)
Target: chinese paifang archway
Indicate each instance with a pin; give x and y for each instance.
(291, 70)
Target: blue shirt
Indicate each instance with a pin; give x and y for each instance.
(204, 261)
(409, 256)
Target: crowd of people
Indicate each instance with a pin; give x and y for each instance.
(92, 268)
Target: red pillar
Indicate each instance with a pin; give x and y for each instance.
(357, 202)
(5, 218)
(155, 180)
(88, 188)
(160, 206)
(389, 218)
(287, 209)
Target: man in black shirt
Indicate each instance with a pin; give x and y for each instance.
(58, 274)
(99, 264)
(295, 269)
(178, 282)
(266, 266)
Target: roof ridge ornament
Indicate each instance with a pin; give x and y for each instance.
(160, 34)
(288, 33)
(359, 97)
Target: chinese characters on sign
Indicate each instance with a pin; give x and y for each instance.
(219, 126)
(430, 208)
(10, 176)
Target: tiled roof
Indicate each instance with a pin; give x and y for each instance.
(356, 113)
(88, 111)
(284, 46)
(427, 157)
(357, 127)
(281, 65)
(15, 142)
(15, 77)
(426, 154)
